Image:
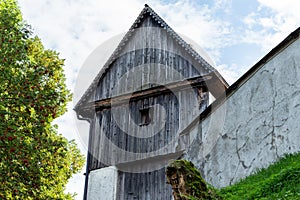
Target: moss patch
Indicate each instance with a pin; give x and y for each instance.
(187, 183)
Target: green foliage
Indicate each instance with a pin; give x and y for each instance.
(279, 181)
(36, 162)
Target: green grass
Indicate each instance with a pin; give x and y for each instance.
(281, 180)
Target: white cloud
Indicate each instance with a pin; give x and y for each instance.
(272, 22)
(224, 5)
(249, 20)
(286, 7)
(231, 72)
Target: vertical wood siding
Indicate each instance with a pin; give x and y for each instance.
(141, 67)
(119, 127)
(144, 186)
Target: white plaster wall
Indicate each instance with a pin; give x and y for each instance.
(102, 184)
(261, 123)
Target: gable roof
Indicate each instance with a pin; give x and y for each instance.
(147, 10)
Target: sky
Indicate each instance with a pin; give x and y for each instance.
(234, 33)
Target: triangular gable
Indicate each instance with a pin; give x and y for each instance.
(160, 22)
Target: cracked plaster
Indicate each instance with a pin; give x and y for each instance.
(261, 123)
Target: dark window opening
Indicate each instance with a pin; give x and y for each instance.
(145, 116)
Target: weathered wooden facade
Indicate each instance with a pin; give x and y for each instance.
(150, 89)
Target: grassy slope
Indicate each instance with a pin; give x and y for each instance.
(279, 181)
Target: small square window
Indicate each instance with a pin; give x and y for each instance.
(145, 116)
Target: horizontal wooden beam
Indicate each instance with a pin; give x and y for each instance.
(153, 91)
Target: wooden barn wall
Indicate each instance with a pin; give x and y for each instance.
(120, 128)
(149, 46)
(114, 134)
(144, 186)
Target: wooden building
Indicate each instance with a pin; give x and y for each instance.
(150, 89)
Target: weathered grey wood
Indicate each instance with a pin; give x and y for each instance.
(111, 80)
(149, 73)
(109, 130)
(144, 186)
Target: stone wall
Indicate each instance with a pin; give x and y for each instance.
(257, 124)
